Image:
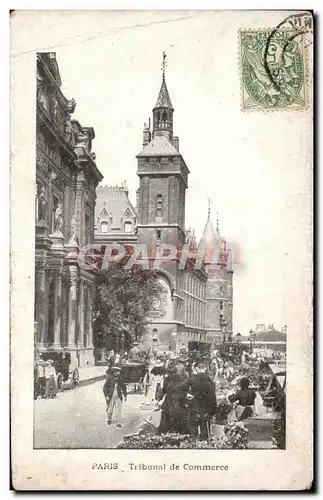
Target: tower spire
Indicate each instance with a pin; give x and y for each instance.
(163, 111)
(209, 210)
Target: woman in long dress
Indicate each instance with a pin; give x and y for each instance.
(174, 411)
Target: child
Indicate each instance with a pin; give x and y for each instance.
(115, 392)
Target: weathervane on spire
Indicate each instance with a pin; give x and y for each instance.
(164, 64)
(217, 221)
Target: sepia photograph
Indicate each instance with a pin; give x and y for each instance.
(172, 231)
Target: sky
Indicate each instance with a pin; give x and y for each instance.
(252, 166)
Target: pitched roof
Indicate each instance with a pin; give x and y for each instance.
(114, 201)
(163, 100)
(159, 146)
(211, 242)
(210, 237)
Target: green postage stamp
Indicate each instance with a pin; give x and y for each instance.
(272, 66)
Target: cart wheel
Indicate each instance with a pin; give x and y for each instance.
(59, 382)
(75, 378)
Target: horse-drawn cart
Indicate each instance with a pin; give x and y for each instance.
(135, 374)
(66, 374)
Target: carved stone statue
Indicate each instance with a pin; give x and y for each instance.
(93, 156)
(55, 109)
(69, 132)
(71, 105)
(42, 204)
(84, 141)
(39, 85)
(41, 96)
(73, 238)
(58, 225)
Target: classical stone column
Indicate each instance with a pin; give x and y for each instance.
(81, 312)
(40, 290)
(90, 316)
(57, 308)
(72, 308)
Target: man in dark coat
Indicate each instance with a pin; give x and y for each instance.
(201, 402)
(115, 392)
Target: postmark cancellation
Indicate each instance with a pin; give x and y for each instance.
(272, 69)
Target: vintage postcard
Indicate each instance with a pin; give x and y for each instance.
(161, 250)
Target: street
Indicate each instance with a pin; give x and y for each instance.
(77, 419)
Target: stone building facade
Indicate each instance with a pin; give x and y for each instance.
(219, 291)
(66, 181)
(186, 312)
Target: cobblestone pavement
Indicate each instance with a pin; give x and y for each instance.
(77, 419)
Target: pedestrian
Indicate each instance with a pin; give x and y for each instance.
(173, 405)
(111, 357)
(50, 376)
(115, 392)
(181, 368)
(124, 357)
(40, 381)
(201, 403)
(244, 399)
(214, 367)
(157, 374)
(135, 354)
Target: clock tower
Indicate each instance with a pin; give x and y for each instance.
(161, 212)
(163, 178)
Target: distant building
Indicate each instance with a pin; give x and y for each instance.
(261, 328)
(115, 217)
(219, 292)
(66, 179)
(194, 300)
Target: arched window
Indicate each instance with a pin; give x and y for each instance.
(164, 119)
(104, 227)
(158, 116)
(128, 227)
